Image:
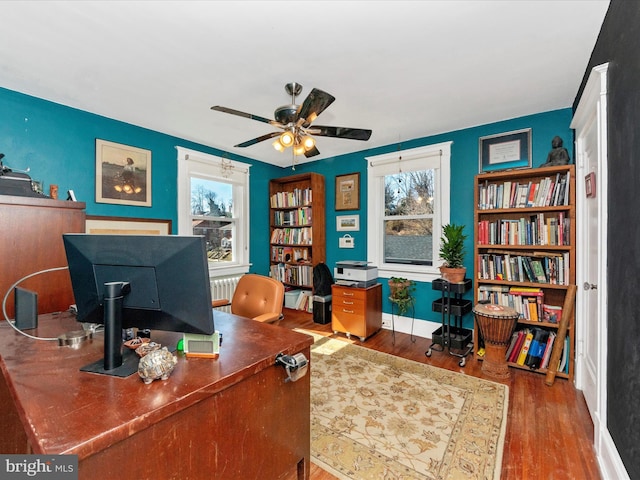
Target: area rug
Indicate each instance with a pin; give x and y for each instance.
(377, 416)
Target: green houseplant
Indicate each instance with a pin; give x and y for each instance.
(452, 251)
(402, 293)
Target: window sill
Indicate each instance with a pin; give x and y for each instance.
(411, 272)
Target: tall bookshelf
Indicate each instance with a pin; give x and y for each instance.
(524, 251)
(297, 228)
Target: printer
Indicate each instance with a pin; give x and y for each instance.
(355, 274)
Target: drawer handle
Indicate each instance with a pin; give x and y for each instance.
(347, 294)
(347, 311)
(347, 303)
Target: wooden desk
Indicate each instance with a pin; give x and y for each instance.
(230, 418)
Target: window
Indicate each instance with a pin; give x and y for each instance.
(213, 201)
(408, 202)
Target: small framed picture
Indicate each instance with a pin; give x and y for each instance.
(590, 185)
(348, 192)
(348, 223)
(123, 174)
(505, 151)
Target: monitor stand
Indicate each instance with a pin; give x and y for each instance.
(114, 363)
(128, 367)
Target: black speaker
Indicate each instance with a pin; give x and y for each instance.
(26, 303)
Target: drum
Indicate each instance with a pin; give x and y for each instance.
(496, 324)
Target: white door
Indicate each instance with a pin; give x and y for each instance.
(590, 327)
(590, 124)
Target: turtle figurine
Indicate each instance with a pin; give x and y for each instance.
(157, 364)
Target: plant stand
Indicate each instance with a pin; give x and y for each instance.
(394, 306)
(452, 308)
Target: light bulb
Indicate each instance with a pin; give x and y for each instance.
(308, 143)
(277, 144)
(286, 139)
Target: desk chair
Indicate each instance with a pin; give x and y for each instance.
(257, 297)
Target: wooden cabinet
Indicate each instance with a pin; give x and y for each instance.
(524, 252)
(297, 228)
(356, 311)
(30, 241)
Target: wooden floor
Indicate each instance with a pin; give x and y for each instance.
(549, 430)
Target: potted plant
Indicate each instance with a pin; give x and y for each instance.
(452, 251)
(402, 293)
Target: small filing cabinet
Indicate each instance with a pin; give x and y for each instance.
(356, 311)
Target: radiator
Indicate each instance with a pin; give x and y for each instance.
(223, 287)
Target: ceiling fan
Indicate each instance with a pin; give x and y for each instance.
(295, 121)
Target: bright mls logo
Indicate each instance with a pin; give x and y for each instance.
(50, 467)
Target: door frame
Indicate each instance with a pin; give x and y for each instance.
(593, 107)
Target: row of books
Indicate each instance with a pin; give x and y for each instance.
(300, 236)
(549, 268)
(290, 254)
(293, 274)
(527, 301)
(549, 191)
(304, 301)
(298, 217)
(296, 198)
(532, 347)
(537, 230)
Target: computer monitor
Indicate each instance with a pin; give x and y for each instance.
(157, 282)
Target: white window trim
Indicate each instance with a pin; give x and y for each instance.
(438, 157)
(192, 162)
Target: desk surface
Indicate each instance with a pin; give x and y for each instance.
(65, 411)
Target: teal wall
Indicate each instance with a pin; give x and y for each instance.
(58, 144)
(464, 166)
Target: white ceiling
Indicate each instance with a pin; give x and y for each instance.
(403, 69)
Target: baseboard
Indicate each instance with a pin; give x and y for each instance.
(421, 328)
(609, 460)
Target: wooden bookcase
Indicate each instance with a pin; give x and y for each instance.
(296, 228)
(511, 238)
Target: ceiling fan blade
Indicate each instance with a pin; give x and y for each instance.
(312, 153)
(315, 103)
(250, 116)
(262, 138)
(340, 132)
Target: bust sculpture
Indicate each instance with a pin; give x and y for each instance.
(558, 154)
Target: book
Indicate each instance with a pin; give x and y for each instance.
(518, 346)
(551, 313)
(548, 350)
(538, 271)
(537, 348)
(525, 348)
(512, 344)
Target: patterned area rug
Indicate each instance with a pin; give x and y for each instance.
(377, 416)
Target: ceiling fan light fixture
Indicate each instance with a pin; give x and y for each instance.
(287, 139)
(298, 149)
(308, 142)
(277, 144)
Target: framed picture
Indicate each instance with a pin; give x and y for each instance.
(126, 226)
(348, 223)
(590, 185)
(348, 192)
(123, 174)
(505, 151)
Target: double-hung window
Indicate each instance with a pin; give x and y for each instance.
(408, 202)
(213, 201)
